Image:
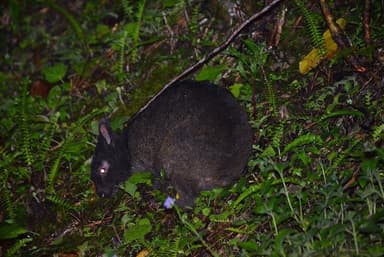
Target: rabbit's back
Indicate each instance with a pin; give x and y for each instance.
(197, 132)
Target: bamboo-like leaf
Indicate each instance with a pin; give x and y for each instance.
(341, 113)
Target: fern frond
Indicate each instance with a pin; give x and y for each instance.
(13, 251)
(53, 173)
(26, 147)
(122, 45)
(86, 119)
(278, 135)
(378, 133)
(127, 7)
(358, 41)
(271, 96)
(368, 99)
(132, 31)
(175, 247)
(139, 19)
(245, 194)
(60, 202)
(46, 141)
(171, 249)
(6, 202)
(313, 27)
(194, 21)
(303, 140)
(268, 152)
(345, 153)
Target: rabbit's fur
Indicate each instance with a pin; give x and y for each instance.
(195, 131)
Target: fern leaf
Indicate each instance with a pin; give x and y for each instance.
(368, 99)
(344, 154)
(175, 247)
(268, 152)
(250, 190)
(303, 140)
(85, 120)
(378, 133)
(127, 7)
(60, 202)
(139, 18)
(132, 30)
(312, 26)
(194, 21)
(279, 130)
(14, 249)
(6, 203)
(52, 174)
(47, 140)
(122, 44)
(271, 97)
(25, 131)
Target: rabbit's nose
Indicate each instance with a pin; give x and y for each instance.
(104, 192)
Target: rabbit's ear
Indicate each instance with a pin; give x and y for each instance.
(105, 130)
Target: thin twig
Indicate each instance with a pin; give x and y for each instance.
(339, 37)
(367, 22)
(278, 28)
(215, 51)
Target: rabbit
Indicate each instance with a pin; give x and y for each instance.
(194, 131)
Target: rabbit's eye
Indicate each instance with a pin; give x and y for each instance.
(103, 169)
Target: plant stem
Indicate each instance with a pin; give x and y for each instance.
(194, 231)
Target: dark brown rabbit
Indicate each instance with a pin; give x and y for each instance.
(195, 131)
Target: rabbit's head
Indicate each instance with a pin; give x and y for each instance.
(110, 162)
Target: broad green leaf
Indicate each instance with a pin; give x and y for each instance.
(55, 73)
(141, 178)
(235, 89)
(11, 230)
(130, 188)
(137, 231)
(210, 72)
(342, 113)
(250, 246)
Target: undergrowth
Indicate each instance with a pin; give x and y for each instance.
(313, 185)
